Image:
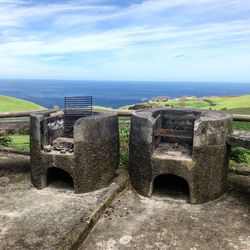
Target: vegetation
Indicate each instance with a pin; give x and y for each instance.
(215, 103)
(240, 111)
(238, 104)
(21, 142)
(241, 126)
(6, 141)
(8, 104)
(101, 108)
(240, 155)
(124, 129)
(11, 104)
(16, 142)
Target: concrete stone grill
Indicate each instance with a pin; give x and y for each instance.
(190, 144)
(90, 156)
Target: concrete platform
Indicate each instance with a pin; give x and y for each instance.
(136, 222)
(52, 218)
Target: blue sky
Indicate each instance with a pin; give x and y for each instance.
(172, 40)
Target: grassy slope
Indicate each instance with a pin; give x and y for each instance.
(215, 103)
(8, 104)
(232, 102)
(101, 108)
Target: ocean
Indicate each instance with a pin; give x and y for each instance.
(114, 94)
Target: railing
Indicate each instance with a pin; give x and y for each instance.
(19, 121)
(21, 118)
(241, 118)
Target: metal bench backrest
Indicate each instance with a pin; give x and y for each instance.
(76, 107)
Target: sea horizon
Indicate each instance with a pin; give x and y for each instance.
(112, 93)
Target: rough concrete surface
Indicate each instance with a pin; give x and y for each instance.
(95, 158)
(136, 222)
(245, 170)
(52, 218)
(203, 164)
(239, 139)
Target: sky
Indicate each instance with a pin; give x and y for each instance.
(147, 40)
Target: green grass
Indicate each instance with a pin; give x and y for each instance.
(240, 157)
(232, 102)
(240, 111)
(124, 130)
(241, 126)
(16, 142)
(101, 108)
(20, 142)
(9, 104)
(215, 103)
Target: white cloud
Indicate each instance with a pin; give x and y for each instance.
(171, 37)
(42, 34)
(16, 13)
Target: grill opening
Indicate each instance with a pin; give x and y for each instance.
(175, 128)
(59, 178)
(171, 186)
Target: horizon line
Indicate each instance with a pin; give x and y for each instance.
(127, 81)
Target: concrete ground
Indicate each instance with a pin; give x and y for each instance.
(162, 222)
(56, 218)
(52, 218)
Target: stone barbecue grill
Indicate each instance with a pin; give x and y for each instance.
(88, 149)
(190, 144)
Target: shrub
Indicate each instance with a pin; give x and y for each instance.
(123, 160)
(124, 139)
(239, 155)
(210, 102)
(6, 141)
(140, 106)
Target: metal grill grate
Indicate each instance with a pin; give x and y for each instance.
(76, 107)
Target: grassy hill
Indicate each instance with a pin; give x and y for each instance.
(8, 104)
(230, 104)
(215, 103)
